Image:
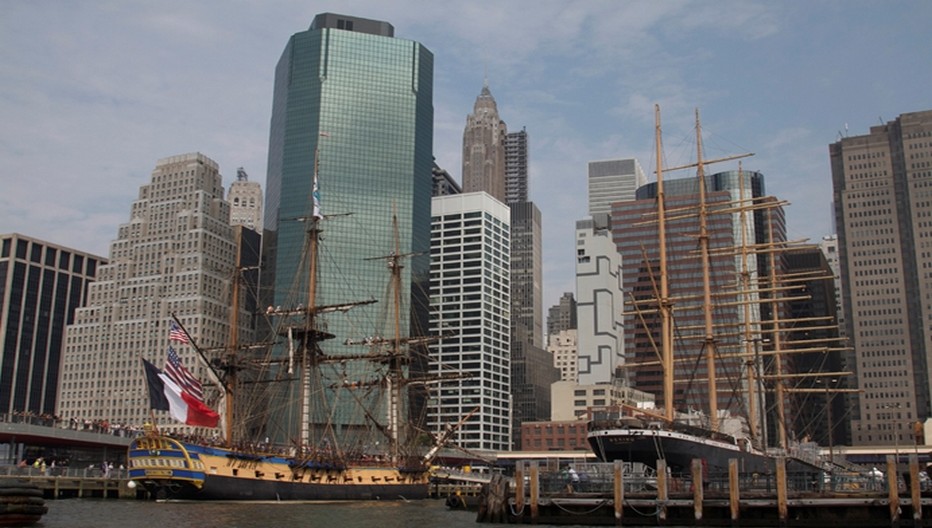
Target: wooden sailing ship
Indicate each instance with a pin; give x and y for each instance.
(313, 462)
(713, 435)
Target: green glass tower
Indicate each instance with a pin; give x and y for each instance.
(355, 104)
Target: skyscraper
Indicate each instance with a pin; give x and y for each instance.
(612, 181)
(600, 334)
(516, 167)
(469, 278)
(637, 241)
(484, 148)
(355, 105)
(41, 284)
(882, 183)
(174, 256)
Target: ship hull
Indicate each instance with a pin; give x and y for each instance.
(677, 449)
(170, 469)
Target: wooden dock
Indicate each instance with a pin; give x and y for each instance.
(536, 497)
(62, 487)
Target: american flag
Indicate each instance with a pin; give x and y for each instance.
(180, 375)
(175, 333)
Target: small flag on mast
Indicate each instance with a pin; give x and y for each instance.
(175, 333)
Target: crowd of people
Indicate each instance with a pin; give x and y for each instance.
(74, 424)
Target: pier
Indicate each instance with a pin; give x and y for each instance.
(604, 494)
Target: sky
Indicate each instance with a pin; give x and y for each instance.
(94, 93)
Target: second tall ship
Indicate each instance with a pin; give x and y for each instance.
(717, 436)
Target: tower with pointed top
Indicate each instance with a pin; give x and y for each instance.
(484, 148)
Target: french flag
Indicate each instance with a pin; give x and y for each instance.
(166, 395)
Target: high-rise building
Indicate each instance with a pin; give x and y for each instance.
(245, 199)
(484, 148)
(562, 316)
(353, 105)
(469, 283)
(636, 236)
(516, 167)
(174, 257)
(562, 346)
(613, 181)
(41, 284)
(444, 183)
(600, 305)
(882, 186)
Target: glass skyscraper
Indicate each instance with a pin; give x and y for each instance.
(355, 104)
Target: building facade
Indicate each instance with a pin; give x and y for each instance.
(735, 306)
(562, 316)
(611, 181)
(245, 199)
(562, 347)
(600, 302)
(882, 185)
(516, 167)
(471, 295)
(174, 256)
(41, 285)
(353, 108)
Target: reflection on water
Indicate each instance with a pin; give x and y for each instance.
(111, 513)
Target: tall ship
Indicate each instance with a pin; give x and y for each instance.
(712, 434)
(294, 443)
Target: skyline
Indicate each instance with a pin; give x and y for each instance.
(93, 97)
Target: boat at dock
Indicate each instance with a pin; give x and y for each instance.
(714, 435)
(285, 389)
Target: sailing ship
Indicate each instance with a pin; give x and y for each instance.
(309, 465)
(635, 434)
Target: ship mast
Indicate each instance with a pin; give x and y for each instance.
(395, 360)
(666, 307)
(709, 340)
(233, 343)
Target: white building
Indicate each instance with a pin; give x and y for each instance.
(599, 303)
(245, 199)
(563, 347)
(615, 180)
(572, 401)
(470, 301)
(175, 255)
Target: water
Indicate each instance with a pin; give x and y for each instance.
(112, 513)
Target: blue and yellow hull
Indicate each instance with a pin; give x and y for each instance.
(172, 469)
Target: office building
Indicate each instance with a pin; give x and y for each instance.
(562, 346)
(562, 316)
(469, 283)
(245, 199)
(173, 257)
(882, 185)
(352, 104)
(41, 285)
(611, 181)
(636, 236)
(516, 167)
(484, 148)
(600, 302)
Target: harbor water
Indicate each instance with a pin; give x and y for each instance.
(112, 513)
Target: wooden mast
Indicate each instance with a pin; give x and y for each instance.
(666, 307)
(709, 339)
(233, 344)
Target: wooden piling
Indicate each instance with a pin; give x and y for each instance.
(520, 469)
(662, 491)
(697, 488)
(782, 508)
(619, 491)
(535, 491)
(915, 488)
(893, 490)
(734, 495)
